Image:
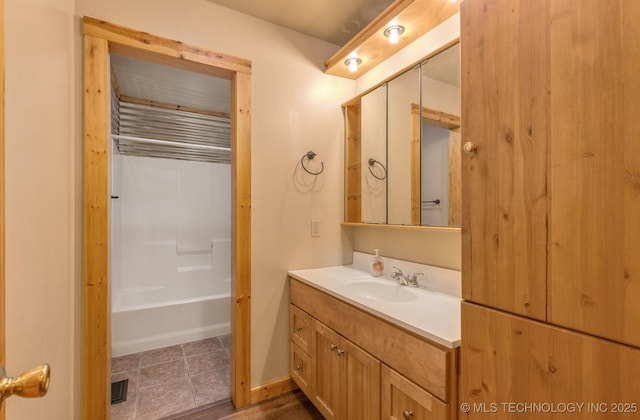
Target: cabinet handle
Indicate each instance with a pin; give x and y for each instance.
(470, 147)
(298, 329)
(407, 414)
(340, 352)
(298, 367)
(333, 346)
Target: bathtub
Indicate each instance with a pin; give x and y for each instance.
(188, 302)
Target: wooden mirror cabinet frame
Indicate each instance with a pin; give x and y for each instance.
(352, 112)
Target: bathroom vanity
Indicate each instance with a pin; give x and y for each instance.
(367, 348)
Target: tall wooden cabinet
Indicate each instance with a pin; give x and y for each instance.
(551, 196)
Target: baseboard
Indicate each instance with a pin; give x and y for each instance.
(272, 389)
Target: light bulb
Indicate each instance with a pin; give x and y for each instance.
(394, 36)
(353, 63)
(393, 33)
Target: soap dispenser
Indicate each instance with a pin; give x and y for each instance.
(377, 264)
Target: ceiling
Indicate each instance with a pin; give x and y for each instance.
(157, 83)
(334, 21)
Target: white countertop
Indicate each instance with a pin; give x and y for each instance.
(433, 315)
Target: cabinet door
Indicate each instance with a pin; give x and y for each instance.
(594, 260)
(505, 104)
(359, 384)
(403, 399)
(300, 368)
(511, 359)
(326, 369)
(300, 327)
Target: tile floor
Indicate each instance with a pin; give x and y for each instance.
(172, 379)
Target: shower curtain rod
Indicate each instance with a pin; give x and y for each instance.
(170, 143)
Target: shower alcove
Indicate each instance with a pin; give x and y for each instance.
(170, 206)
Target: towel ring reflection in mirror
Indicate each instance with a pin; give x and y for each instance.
(310, 155)
(372, 162)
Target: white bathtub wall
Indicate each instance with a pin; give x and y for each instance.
(172, 216)
(434, 183)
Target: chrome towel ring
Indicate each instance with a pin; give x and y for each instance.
(372, 162)
(310, 155)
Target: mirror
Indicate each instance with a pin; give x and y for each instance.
(403, 147)
(374, 178)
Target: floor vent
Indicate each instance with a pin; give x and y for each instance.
(119, 391)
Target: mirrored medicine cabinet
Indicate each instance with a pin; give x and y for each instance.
(402, 147)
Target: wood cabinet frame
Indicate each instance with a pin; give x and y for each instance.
(101, 39)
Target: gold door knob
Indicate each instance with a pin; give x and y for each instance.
(31, 384)
(470, 147)
(407, 414)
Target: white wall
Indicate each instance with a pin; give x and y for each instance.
(42, 202)
(434, 176)
(441, 96)
(165, 205)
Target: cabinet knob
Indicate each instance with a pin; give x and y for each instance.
(407, 414)
(298, 328)
(340, 352)
(298, 367)
(333, 346)
(470, 147)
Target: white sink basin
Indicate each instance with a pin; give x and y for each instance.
(380, 290)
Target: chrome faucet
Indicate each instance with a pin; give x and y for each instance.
(404, 280)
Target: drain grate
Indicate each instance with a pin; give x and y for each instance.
(119, 391)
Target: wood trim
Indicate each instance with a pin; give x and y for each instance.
(416, 158)
(165, 105)
(2, 203)
(455, 178)
(101, 38)
(96, 362)
(367, 32)
(438, 118)
(353, 162)
(124, 41)
(403, 227)
(417, 16)
(241, 238)
(272, 390)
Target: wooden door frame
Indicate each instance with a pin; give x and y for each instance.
(438, 119)
(100, 39)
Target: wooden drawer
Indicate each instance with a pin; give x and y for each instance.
(431, 366)
(300, 328)
(402, 399)
(300, 367)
